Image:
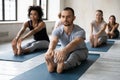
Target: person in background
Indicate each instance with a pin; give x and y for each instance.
(37, 30)
(58, 22)
(98, 35)
(112, 28)
(73, 49)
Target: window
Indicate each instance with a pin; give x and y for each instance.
(44, 5)
(8, 10)
(1, 10)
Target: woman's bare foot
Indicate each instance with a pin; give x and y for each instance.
(19, 52)
(92, 40)
(60, 67)
(111, 37)
(19, 47)
(95, 42)
(14, 46)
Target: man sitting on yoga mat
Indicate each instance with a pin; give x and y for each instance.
(73, 49)
(37, 29)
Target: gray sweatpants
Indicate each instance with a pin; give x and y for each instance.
(43, 44)
(102, 39)
(75, 58)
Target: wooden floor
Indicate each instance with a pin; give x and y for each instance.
(107, 67)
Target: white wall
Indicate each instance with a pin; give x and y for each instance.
(10, 30)
(85, 10)
(54, 7)
(23, 6)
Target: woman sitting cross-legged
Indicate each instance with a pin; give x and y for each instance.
(112, 28)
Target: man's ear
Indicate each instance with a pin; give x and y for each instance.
(74, 18)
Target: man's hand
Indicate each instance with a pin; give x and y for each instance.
(60, 55)
(49, 55)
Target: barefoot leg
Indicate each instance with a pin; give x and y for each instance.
(14, 46)
(60, 67)
(19, 47)
(92, 41)
(95, 42)
(50, 63)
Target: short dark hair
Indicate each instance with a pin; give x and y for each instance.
(36, 8)
(69, 8)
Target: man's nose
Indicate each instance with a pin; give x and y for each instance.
(65, 19)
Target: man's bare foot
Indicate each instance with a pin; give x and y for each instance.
(51, 65)
(60, 67)
(14, 46)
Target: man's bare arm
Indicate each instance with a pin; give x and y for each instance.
(72, 45)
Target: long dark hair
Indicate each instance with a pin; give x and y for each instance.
(114, 18)
(110, 27)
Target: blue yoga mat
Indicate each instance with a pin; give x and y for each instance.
(11, 57)
(103, 48)
(41, 73)
(115, 38)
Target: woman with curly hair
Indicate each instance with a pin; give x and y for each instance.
(37, 29)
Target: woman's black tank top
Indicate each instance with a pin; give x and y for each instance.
(41, 35)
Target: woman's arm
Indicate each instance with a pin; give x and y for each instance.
(114, 27)
(107, 28)
(102, 30)
(40, 26)
(91, 29)
(25, 25)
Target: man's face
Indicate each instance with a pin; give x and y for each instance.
(67, 17)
